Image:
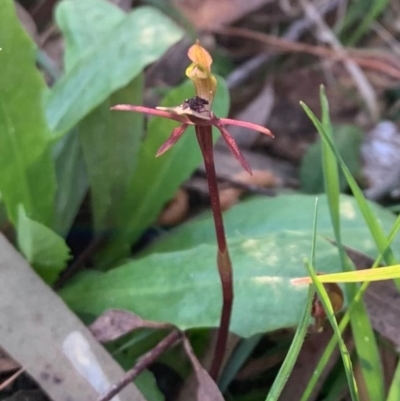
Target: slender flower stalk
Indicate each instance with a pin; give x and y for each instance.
(197, 111)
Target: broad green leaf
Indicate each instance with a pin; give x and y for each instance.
(347, 139)
(42, 247)
(84, 26)
(72, 180)
(27, 176)
(110, 143)
(120, 54)
(184, 288)
(157, 179)
(81, 31)
(261, 215)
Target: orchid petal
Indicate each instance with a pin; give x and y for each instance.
(152, 112)
(173, 139)
(233, 147)
(200, 73)
(245, 124)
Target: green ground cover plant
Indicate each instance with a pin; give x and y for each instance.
(60, 142)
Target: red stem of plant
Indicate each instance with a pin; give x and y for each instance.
(204, 137)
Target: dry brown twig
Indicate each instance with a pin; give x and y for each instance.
(145, 361)
(381, 62)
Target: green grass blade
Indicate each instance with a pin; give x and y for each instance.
(301, 331)
(373, 13)
(364, 337)
(394, 390)
(323, 296)
(294, 350)
(357, 276)
(372, 223)
(343, 324)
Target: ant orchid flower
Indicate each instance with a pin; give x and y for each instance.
(197, 110)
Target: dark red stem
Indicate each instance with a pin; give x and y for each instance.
(204, 137)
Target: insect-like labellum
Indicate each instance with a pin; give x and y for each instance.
(196, 103)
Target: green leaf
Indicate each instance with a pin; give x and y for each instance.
(394, 390)
(347, 139)
(157, 179)
(27, 176)
(43, 248)
(136, 40)
(261, 215)
(364, 337)
(324, 298)
(147, 385)
(81, 31)
(370, 216)
(72, 180)
(294, 351)
(110, 141)
(326, 356)
(184, 288)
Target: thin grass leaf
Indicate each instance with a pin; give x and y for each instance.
(364, 337)
(294, 350)
(295, 347)
(373, 224)
(373, 13)
(314, 238)
(343, 323)
(323, 296)
(358, 276)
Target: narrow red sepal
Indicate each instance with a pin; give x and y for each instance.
(233, 147)
(173, 139)
(245, 124)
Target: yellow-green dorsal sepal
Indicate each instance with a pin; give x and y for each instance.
(200, 73)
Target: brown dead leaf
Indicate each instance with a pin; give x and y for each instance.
(209, 14)
(383, 305)
(176, 210)
(115, 323)
(207, 390)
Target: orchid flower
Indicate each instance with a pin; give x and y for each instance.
(197, 111)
